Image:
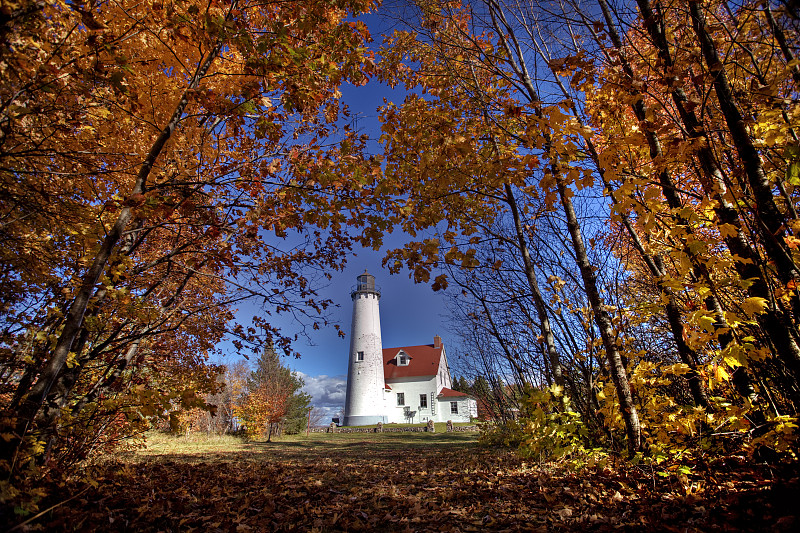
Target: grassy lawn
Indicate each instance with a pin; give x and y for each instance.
(438, 482)
(201, 447)
(159, 443)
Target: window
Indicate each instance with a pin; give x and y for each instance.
(360, 356)
(401, 398)
(402, 359)
(423, 401)
(453, 408)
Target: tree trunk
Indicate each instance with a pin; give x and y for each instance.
(601, 317)
(655, 263)
(536, 294)
(603, 321)
(774, 321)
(770, 221)
(777, 31)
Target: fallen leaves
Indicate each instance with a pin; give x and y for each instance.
(428, 483)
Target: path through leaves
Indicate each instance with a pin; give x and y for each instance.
(418, 482)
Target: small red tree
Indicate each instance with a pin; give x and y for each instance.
(266, 401)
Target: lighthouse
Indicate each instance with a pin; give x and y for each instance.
(364, 403)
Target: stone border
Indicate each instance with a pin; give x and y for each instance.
(389, 429)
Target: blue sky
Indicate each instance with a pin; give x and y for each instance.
(410, 314)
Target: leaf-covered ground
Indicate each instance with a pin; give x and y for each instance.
(413, 482)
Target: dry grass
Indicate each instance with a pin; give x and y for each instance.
(159, 443)
(215, 448)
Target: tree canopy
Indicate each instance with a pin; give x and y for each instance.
(607, 191)
(160, 163)
(610, 187)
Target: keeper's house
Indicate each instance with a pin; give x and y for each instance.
(417, 386)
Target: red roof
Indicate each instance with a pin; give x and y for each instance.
(424, 361)
(447, 393)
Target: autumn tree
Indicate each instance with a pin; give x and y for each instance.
(677, 129)
(739, 271)
(160, 163)
(218, 415)
(486, 134)
(272, 398)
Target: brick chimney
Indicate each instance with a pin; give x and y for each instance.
(437, 341)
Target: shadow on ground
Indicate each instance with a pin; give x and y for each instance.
(436, 483)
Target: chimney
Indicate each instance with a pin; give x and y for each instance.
(437, 341)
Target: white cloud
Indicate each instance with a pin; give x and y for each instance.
(327, 392)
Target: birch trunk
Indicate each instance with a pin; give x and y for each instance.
(603, 321)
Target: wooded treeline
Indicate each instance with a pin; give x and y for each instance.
(254, 401)
(612, 191)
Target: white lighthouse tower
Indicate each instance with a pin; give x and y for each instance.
(365, 379)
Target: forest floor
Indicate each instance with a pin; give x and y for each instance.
(409, 482)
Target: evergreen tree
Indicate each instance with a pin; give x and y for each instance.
(480, 387)
(461, 384)
(298, 409)
(272, 398)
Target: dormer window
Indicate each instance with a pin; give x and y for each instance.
(403, 359)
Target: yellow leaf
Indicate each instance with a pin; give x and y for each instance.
(754, 305)
(601, 396)
(678, 369)
(792, 242)
(734, 356)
